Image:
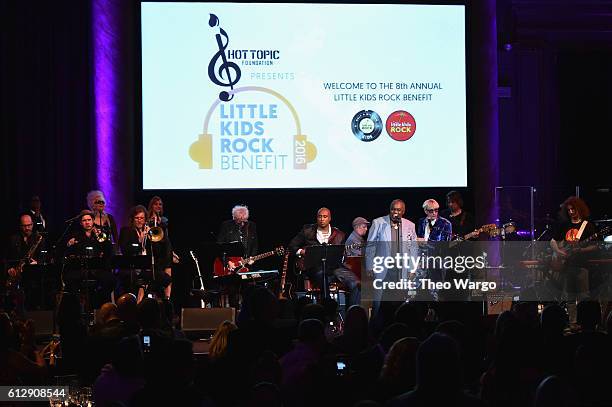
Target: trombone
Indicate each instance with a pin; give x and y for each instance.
(155, 233)
(100, 235)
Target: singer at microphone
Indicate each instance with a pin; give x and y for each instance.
(388, 236)
(240, 229)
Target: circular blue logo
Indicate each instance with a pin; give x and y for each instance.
(366, 125)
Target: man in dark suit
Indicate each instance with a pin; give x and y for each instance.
(317, 234)
(240, 229)
(20, 243)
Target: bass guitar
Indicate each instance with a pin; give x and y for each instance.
(558, 262)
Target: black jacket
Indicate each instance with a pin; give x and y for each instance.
(247, 235)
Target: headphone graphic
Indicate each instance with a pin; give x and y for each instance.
(304, 152)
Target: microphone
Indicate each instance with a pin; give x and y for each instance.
(72, 219)
(395, 219)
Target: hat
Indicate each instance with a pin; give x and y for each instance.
(360, 221)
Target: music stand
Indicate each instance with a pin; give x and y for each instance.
(132, 263)
(84, 264)
(41, 272)
(319, 256)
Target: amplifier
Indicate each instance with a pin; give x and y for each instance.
(205, 319)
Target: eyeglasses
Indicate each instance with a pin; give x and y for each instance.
(432, 210)
(26, 226)
(139, 218)
(98, 202)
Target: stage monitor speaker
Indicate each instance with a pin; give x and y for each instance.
(43, 322)
(205, 319)
(497, 307)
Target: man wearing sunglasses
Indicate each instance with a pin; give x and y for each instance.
(432, 227)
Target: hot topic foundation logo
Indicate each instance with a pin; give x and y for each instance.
(243, 142)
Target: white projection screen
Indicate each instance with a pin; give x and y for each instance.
(272, 95)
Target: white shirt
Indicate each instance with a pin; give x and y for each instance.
(323, 236)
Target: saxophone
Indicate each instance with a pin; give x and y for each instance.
(12, 281)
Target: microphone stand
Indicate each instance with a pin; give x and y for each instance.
(397, 225)
(324, 288)
(546, 229)
(69, 223)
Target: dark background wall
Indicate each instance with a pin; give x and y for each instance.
(554, 102)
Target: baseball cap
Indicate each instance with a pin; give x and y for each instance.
(360, 221)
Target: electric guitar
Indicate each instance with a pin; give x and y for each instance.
(475, 233)
(558, 262)
(240, 264)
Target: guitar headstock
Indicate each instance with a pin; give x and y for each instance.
(506, 228)
(602, 233)
(509, 227)
(279, 251)
(487, 228)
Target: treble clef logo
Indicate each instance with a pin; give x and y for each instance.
(228, 73)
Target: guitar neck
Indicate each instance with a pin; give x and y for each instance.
(471, 235)
(262, 255)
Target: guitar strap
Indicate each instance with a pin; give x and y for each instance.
(462, 221)
(581, 230)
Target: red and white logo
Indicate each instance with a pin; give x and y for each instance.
(401, 126)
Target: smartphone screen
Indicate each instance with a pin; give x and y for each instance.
(146, 341)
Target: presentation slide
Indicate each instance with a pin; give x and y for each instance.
(272, 95)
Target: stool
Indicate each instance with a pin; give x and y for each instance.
(336, 292)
